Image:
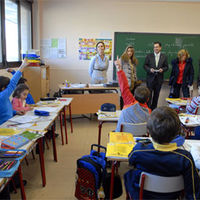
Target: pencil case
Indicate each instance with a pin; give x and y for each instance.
(48, 99)
(10, 161)
(41, 113)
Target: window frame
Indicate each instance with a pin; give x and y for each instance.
(5, 64)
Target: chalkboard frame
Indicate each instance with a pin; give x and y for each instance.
(197, 68)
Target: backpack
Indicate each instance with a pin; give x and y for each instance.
(91, 170)
(108, 107)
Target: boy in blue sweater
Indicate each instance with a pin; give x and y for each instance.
(7, 86)
(162, 158)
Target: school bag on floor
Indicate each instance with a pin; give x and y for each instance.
(91, 170)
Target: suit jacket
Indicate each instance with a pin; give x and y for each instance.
(151, 63)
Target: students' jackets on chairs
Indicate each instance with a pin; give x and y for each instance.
(139, 129)
(160, 184)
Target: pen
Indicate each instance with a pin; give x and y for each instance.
(11, 165)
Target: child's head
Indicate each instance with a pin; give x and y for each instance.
(22, 81)
(142, 94)
(4, 81)
(21, 91)
(163, 125)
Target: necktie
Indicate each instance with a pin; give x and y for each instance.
(157, 59)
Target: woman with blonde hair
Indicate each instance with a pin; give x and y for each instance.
(128, 63)
(182, 74)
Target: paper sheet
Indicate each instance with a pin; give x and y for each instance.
(23, 119)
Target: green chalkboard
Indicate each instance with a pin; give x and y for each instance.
(143, 45)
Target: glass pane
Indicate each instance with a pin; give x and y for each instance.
(11, 22)
(26, 43)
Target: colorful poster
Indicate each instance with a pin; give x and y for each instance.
(87, 48)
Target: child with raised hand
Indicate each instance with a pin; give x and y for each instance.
(135, 107)
(19, 98)
(7, 86)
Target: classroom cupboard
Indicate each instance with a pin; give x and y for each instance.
(38, 81)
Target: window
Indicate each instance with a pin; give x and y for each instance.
(26, 33)
(11, 25)
(16, 30)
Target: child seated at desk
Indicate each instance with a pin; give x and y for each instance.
(162, 158)
(7, 86)
(192, 108)
(135, 107)
(19, 98)
(29, 99)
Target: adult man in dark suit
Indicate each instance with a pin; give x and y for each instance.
(155, 65)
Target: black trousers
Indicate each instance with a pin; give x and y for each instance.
(154, 88)
(185, 90)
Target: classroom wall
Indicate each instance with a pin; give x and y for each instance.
(74, 19)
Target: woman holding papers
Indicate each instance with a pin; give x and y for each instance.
(182, 74)
(99, 65)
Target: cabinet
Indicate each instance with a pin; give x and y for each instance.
(38, 81)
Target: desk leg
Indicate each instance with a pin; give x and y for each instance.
(23, 195)
(61, 127)
(65, 124)
(54, 144)
(99, 136)
(41, 156)
(70, 115)
(112, 180)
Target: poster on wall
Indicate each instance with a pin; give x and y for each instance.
(87, 48)
(53, 48)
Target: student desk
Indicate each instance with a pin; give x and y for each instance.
(106, 117)
(89, 101)
(42, 124)
(177, 103)
(28, 147)
(187, 145)
(189, 122)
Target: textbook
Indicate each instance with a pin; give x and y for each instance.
(31, 135)
(14, 142)
(120, 145)
(118, 150)
(121, 137)
(8, 131)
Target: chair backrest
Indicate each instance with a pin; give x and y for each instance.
(161, 184)
(139, 129)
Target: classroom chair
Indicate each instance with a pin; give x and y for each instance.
(160, 184)
(139, 129)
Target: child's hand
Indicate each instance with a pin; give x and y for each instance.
(20, 112)
(10, 70)
(30, 108)
(118, 64)
(23, 65)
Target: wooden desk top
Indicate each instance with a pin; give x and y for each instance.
(90, 87)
